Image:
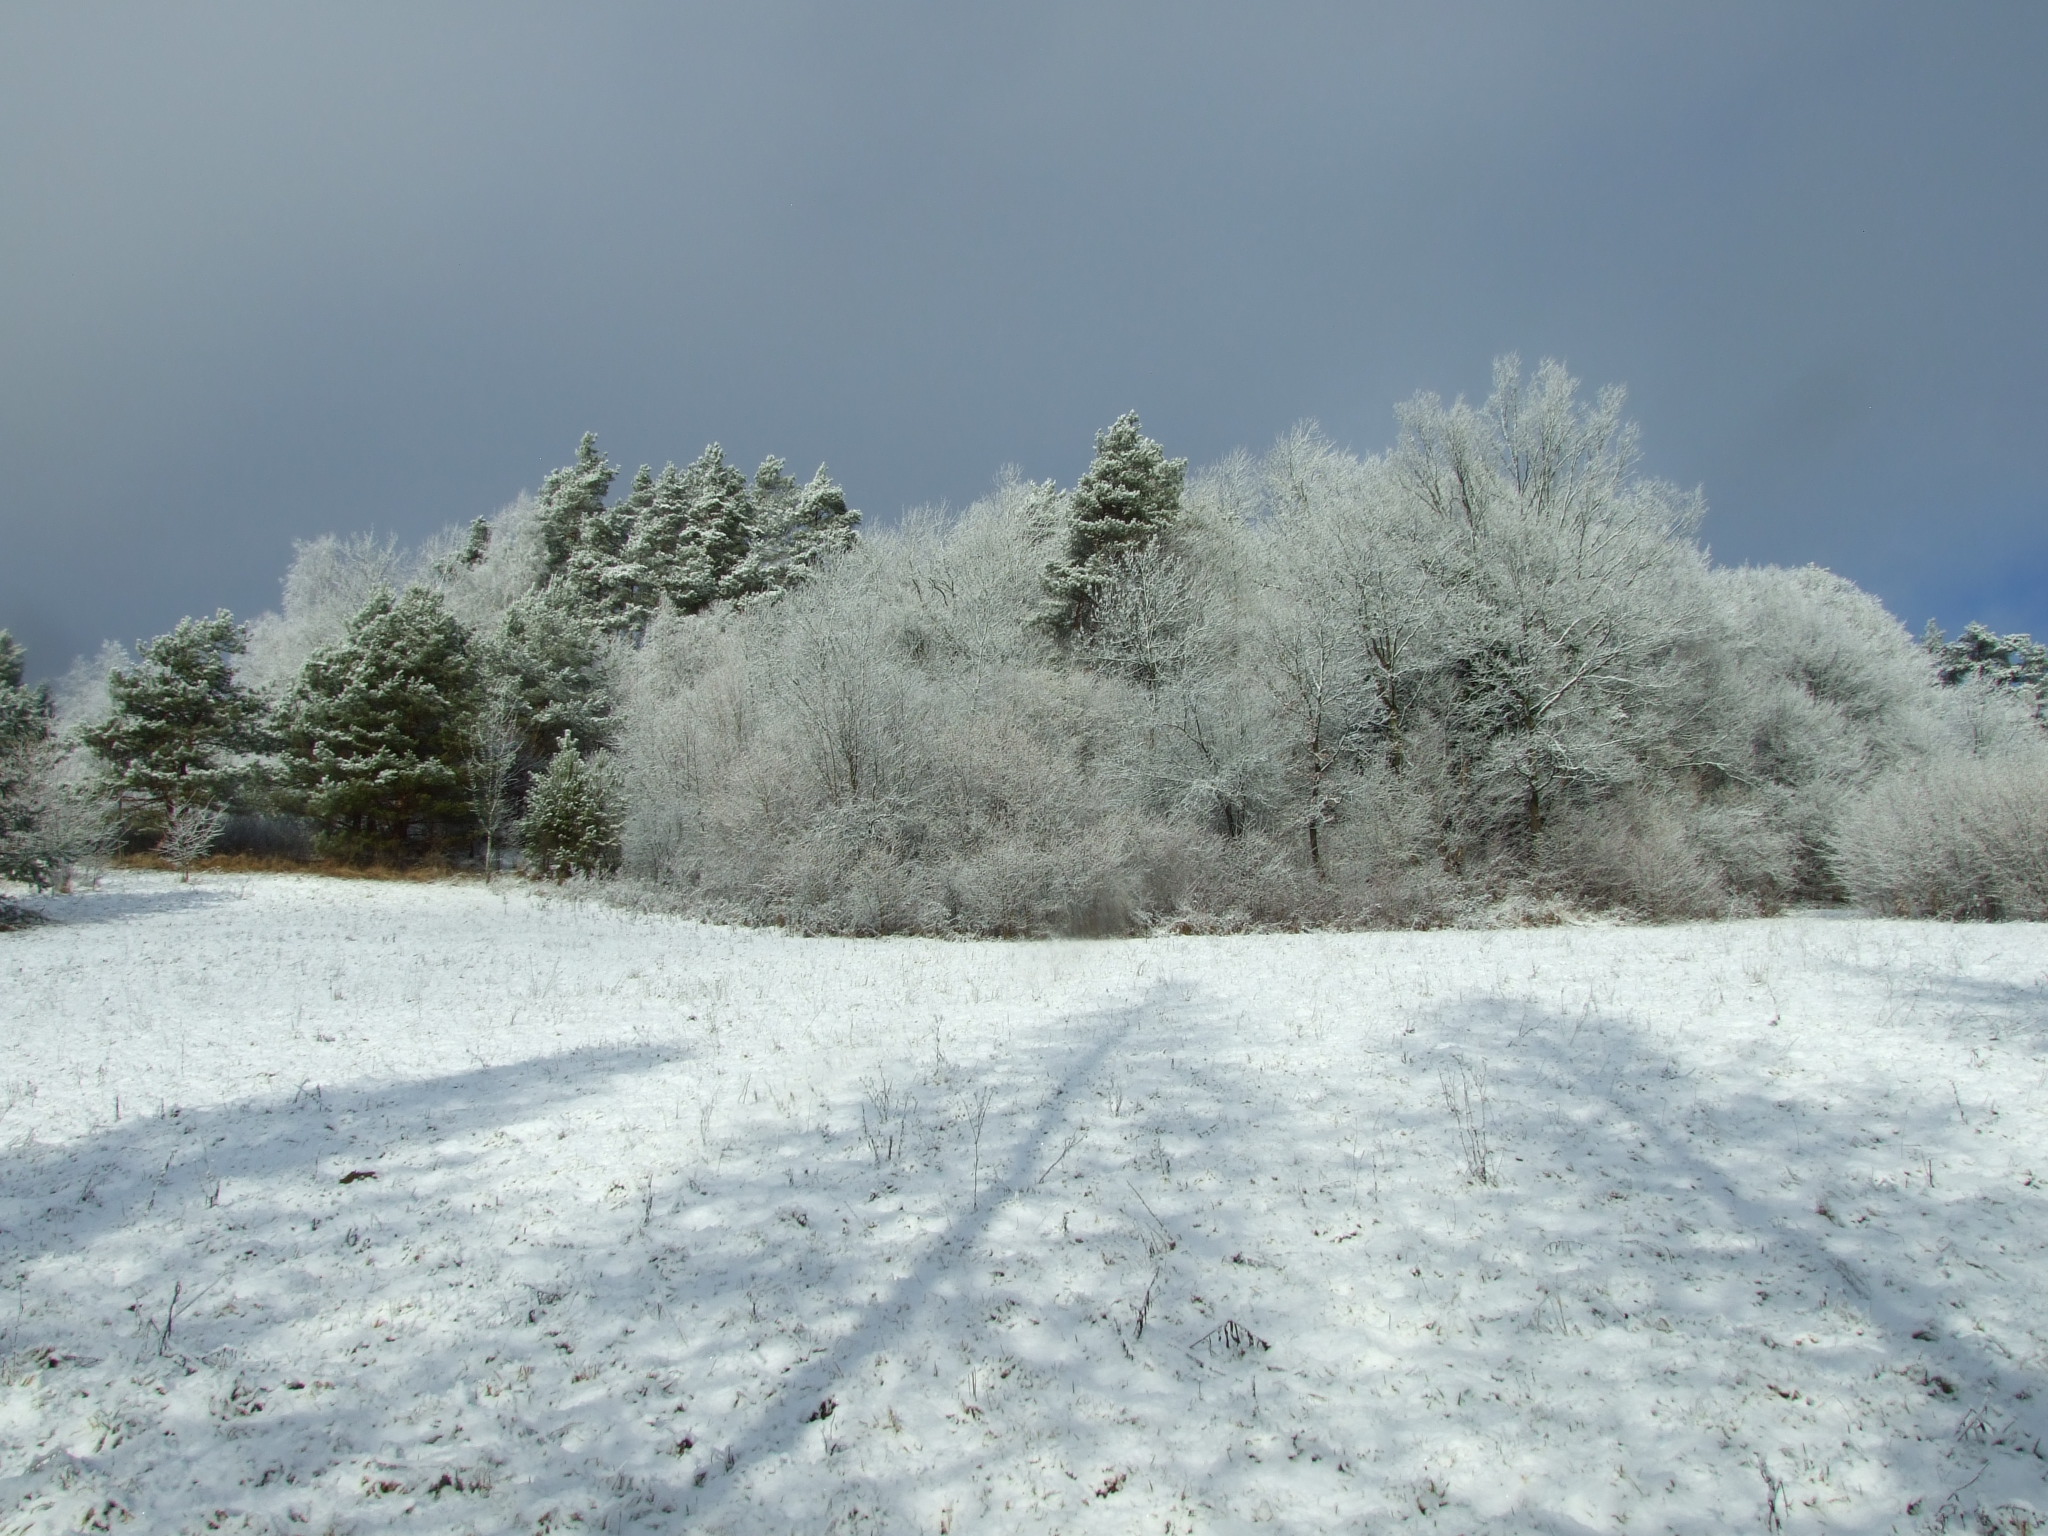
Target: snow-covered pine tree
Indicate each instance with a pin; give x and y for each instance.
(1129, 496)
(478, 545)
(717, 519)
(572, 816)
(569, 498)
(182, 728)
(605, 579)
(24, 712)
(689, 537)
(662, 538)
(547, 656)
(24, 730)
(2017, 662)
(374, 731)
(686, 537)
(46, 824)
(793, 528)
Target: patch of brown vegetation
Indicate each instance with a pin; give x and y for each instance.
(425, 870)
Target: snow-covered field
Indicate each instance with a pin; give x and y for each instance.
(352, 1207)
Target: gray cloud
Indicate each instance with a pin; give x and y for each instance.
(272, 271)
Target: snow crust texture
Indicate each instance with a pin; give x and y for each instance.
(339, 1207)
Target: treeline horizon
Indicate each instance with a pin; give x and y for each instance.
(1489, 675)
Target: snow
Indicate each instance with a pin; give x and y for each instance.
(351, 1206)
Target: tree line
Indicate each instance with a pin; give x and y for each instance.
(1489, 674)
(463, 702)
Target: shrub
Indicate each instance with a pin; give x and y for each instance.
(1956, 837)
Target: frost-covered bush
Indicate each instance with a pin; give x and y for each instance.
(838, 763)
(1954, 836)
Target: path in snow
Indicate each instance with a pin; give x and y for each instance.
(653, 1225)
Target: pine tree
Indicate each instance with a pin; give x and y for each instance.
(24, 712)
(663, 541)
(182, 726)
(2018, 662)
(374, 732)
(24, 732)
(793, 528)
(605, 577)
(1129, 496)
(46, 825)
(691, 532)
(572, 817)
(686, 537)
(718, 518)
(478, 545)
(548, 657)
(569, 498)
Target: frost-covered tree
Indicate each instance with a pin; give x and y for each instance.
(548, 656)
(605, 578)
(24, 711)
(1567, 586)
(570, 498)
(329, 581)
(183, 728)
(190, 835)
(1353, 557)
(49, 821)
(1952, 836)
(710, 541)
(1129, 496)
(572, 817)
(24, 770)
(791, 529)
(2015, 662)
(374, 732)
(492, 738)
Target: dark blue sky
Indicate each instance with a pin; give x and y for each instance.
(270, 271)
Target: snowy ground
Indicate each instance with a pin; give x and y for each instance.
(353, 1207)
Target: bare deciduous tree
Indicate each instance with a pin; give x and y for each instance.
(190, 831)
(491, 742)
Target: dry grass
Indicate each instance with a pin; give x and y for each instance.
(276, 864)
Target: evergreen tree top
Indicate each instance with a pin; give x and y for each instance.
(569, 497)
(1130, 485)
(1130, 494)
(2005, 661)
(479, 544)
(180, 718)
(24, 712)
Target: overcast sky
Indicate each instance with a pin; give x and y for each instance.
(271, 271)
